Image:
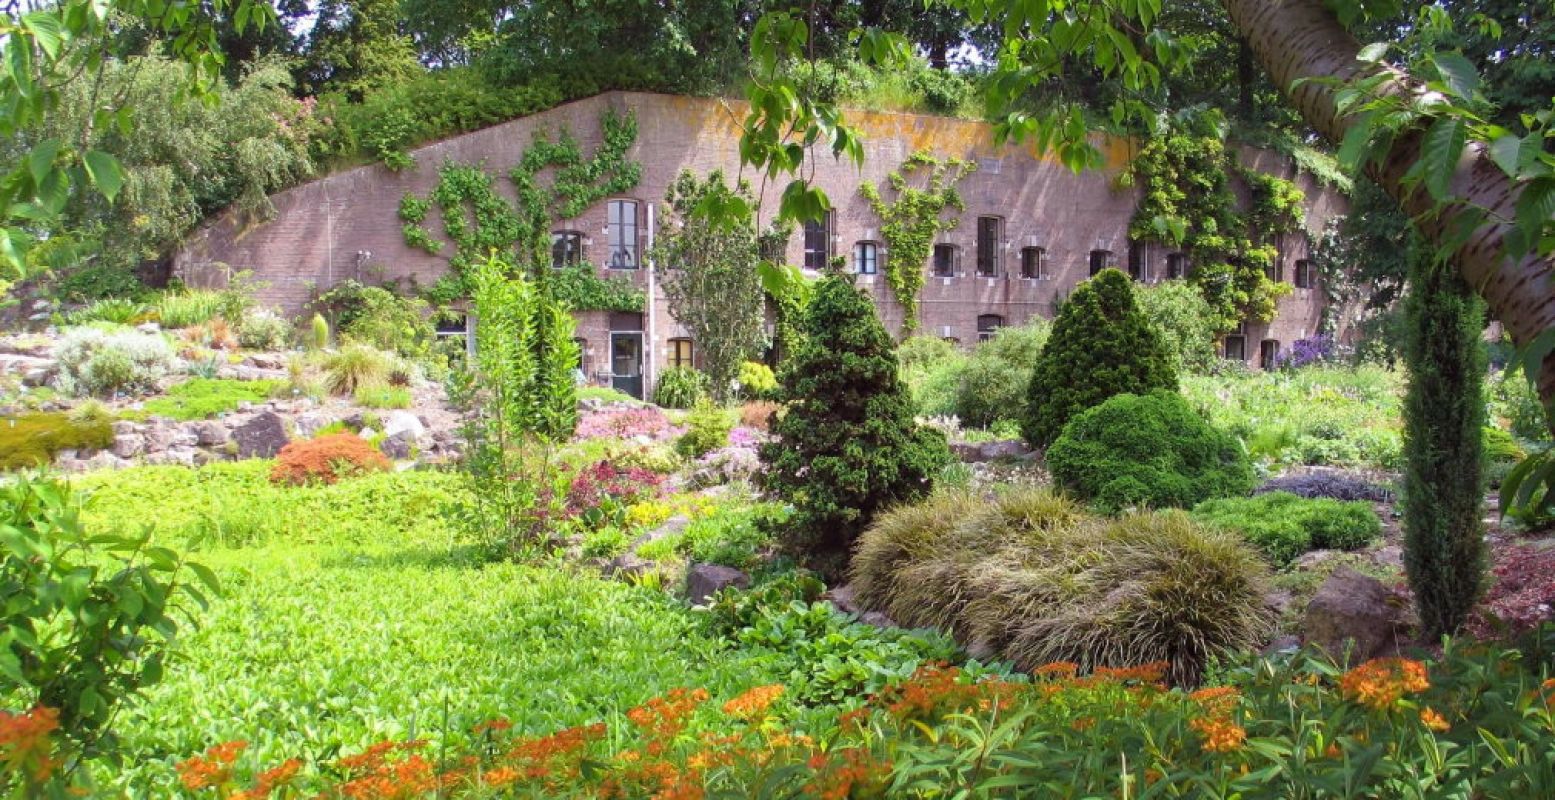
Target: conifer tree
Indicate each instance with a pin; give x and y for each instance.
(1102, 345)
(1444, 413)
(848, 447)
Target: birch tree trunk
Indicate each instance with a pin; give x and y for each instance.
(1296, 39)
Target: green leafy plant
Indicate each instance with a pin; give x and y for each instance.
(264, 329)
(581, 289)
(1101, 346)
(375, 316)
(679, 387)
(1285, 526)
(382, 397)
(90, 617)
(189, 307)
(1147, 451)
(708, 428)
(995, 380)
(910, 223)
(848, 447)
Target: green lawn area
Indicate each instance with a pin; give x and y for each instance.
(330, 643)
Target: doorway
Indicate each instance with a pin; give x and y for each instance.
(626, 362)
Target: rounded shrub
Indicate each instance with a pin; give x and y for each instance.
(757, 380)
(848, 447)
(707, 429)
(1148, 451)
(1284, 525)
(94, 361)
(1102, 345)
(993, 385)
(326, 459)
(1029, 576)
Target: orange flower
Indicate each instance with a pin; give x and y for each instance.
(1382, 682)
(1152, 672)
(1220, 735)
(1057, 670)
(1217, 700)
(1333, 750)
(25, 743)
(500, 777)
(754, 702)
(214, 768)
(1432, 719)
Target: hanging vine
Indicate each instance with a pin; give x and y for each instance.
(1188, 202)
(911, 222)
(478, 220)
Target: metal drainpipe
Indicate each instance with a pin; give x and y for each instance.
(649, 342)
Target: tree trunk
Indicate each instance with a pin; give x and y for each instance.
(1296, 39)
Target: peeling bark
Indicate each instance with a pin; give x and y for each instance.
(1296, 39)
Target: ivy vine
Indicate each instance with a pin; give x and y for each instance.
(1188, 202)
(913, 220)
(479, 220)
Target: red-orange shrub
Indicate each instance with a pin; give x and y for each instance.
(327, 459)
(758, 414)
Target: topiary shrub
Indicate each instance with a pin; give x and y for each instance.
(31, 440)
(1284, 526)
(848, 447)
(1028, 576)
(1102, 345)
(1147, 451)
(679, 387)
(326, 459)
(707, 429)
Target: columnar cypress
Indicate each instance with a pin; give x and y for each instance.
(848, 447)
(1102, 345)
(1444, 487)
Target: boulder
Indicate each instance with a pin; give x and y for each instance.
(128, 445)
(399, 446)
(626, 565)
(1009, 448)
(210, 433)
(158, 438)
(261, 437)
(967, 451)
(402, 420)
(1353, 608)
(705, 580)
(309, 423)
(670, 527)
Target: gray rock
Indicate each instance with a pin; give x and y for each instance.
(967, 451)
(626, 565)
(1010, 448)
(265, 361)
(310, 422)
(842, 597)
(705, 580)
(128, 445)
(880, 620)
(401, 421)
(185, 436)
(670, 527)
(1351, 609)
(104, 460)
(261, 437)
(158, 438)
(399, 447)
(122, 427)
(210, 433)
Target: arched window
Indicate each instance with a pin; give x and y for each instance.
(988, 325)
(566, 249)
(866, 258)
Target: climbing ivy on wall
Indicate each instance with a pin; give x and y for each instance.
(910, 223)
(1188, 202)
(479, 220)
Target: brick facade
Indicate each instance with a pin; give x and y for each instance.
(347, 225)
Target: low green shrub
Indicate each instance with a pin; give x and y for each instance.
(97, 362)
(1284, 526)
(606, 394)
(757, 381)
(1032, 578)
(923, 352)
(264, 329)
(992, 387)
(679, 387)
(31, 440)
(381, 397)
(202, 398)
(707, 429)
(1147, 451)
(121, 310)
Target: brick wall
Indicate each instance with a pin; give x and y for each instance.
(347, 225)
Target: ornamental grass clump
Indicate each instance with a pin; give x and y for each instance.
(1029, 576)
(355, 366)
(1147, 451)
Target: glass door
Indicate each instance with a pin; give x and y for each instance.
(626, 363)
